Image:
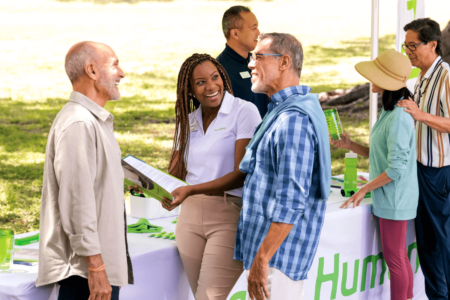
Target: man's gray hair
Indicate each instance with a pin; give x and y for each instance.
(77, 58)
(232, 19)
(284, 43)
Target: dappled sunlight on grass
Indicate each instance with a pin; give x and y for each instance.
(17, 158)
(327, 81)
(19, 204)
(150, 85)
(152, 144)
(330, 68)
(358, 48)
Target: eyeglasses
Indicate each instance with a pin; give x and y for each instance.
(412, 47)
(255, 55)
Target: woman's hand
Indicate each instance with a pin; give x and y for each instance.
(179, 195)
(344, 143)
(355, 199)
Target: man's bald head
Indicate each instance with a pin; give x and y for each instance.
(78, 56)
(93, 68)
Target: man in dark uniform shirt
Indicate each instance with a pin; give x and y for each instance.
(240, 28)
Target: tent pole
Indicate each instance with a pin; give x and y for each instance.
(373, 101)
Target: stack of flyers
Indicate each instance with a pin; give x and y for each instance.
(27, 257)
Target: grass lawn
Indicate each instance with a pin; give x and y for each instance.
(152, 39)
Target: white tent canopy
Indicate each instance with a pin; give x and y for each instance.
(373, 104)
(408, 10)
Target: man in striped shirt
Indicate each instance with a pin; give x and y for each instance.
(430, 110)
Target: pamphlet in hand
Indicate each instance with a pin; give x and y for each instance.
(151, 181)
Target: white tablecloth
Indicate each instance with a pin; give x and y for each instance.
(158, 271)
(348, 237)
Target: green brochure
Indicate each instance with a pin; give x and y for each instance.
(27, 240)
(152, 182)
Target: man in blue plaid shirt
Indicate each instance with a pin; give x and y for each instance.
(289, 174)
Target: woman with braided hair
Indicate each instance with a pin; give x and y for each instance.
(212, 130)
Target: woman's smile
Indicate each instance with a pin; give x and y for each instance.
(213, 96)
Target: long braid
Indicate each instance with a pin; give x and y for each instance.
(185, 105)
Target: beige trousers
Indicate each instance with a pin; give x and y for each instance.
(281, 287)
(206, 235)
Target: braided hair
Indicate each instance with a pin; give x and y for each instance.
(185, 105)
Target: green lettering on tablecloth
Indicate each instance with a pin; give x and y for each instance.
(373, 259)
(410, 249)
(352, 290)
(333, 277)
(337, 277)
(239, 296)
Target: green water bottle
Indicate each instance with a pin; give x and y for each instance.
(350, 174)
(333, 124)
(6, 248)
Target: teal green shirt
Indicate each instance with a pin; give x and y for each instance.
(393, 150)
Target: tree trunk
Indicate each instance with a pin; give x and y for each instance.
(352, 102)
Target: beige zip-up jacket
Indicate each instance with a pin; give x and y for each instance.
(82, 208)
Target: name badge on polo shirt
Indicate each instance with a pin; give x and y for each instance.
(194, 126)
(245, 74)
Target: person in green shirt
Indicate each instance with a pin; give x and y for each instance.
(392, 165)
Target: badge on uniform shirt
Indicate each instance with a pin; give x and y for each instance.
(194, 126)
(245, 74)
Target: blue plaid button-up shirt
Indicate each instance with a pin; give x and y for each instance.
(284, 187)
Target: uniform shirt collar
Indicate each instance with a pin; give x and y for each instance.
(282, 95)
(234, 55)
(225, 108)
(431, 69)
(93, 107)
(226, 103)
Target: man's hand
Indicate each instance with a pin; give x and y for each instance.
(259, 272)
(98, 282)
(99, 286)
(179, 195)
(257, 280)
(412, 108)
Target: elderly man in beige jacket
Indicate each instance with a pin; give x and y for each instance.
(83, 243)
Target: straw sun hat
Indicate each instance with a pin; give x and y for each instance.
(389, 71)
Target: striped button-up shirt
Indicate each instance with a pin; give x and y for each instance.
(432, 94)
(283, 187)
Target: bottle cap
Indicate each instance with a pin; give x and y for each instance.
(351, 154)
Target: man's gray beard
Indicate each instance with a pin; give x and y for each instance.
(257, 88)
(108, 83)
(260, 87)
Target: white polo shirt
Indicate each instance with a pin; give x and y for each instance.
(211, 154)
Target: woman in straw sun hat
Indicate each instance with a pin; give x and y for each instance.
(392, 165)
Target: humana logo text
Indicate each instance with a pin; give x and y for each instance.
(343, 274)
